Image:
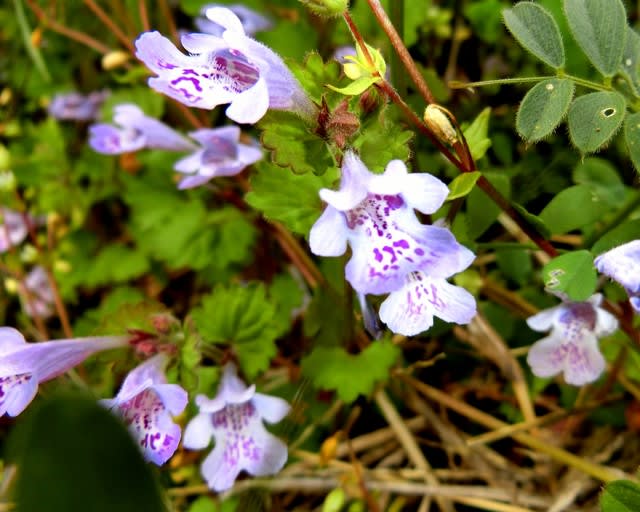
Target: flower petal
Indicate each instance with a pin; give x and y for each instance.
(159, 54)
(226, 18)
(584, 363)
(606, 323)
(218, 470)
(156, 134)
(328, 236)
(354, 184)
(543, 321)
(546, 357)
(272, 409)
(109, 140)
(16, 392)
(198, 432)
(250, 105)
(143, 376)
(622, 264)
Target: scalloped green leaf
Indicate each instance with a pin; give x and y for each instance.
(350, 375)
(594, 118)
(543, 108)
(632, 138)
(571, 274)
(600, 28)
(536, 30)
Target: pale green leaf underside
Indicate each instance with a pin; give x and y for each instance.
(543, 107)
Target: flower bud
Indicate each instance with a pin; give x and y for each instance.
(115, 59)
(438, 119)
(329, 8)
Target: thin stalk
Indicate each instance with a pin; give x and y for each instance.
(401, 50)
(456, 84)
(108, 22)
(165, 10)
(144, 15)
(398, 76)
(25, 31)
(586, 83)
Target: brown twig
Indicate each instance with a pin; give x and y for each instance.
(144, 15)
(108, 22)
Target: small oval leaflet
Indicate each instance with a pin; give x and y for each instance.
(594, 118)
(543, 108)
(571, 274)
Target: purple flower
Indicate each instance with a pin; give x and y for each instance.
(146, 403)
(341, 52)
(234, 419)
(38, 297)
(231, 68)
(133, 130)
(221, 154)
(572, 345)
(622, 264)
(74, 106)
(252, 22)
(375, 215)
(410, 310)
(24, 365)
(13, 229)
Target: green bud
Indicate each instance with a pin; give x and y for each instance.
(329, 8)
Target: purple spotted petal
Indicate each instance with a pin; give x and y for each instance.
(16, 393)
(13, 229)
(410, 310)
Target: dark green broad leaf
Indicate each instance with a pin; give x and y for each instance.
(536, 30)
(603, 178)
(288, 198)
(594, 118)
(74, 456)
(350, 375)
(620, 496)
(625, 232)
(600, 28)
(481, 210)
(573, 208)
(543, 107)
(477, 134)
(572, 275)
(243, 317)
(632, 138)
(631, 60)
(463, 184)
(293, 145)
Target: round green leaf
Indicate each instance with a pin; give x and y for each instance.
(537, 31)
(571, 274)
(594, 118)
(543, 107)
(573, 208)
(600, 28)
(632, 138)
(620, 496)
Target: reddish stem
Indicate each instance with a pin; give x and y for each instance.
(144, 15)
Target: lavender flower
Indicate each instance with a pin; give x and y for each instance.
(234, 419)
(341, 52)
(133, 130)
(231, 68)
(252, 22)
(221, 154)
(374, 214)
(410, 310)
(572, 345)
(146, 403)
(622, 264)
(74, 106)
(13, 229)
(38, 297)
(24, 365)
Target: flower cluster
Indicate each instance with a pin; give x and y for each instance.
(74, 106)
(392, 252)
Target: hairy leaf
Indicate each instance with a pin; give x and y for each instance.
(543, 107)
(594, 118)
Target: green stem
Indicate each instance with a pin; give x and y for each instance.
(398, 75)
(25, 31)
(455, 84)
(585, 83)
(632, 204)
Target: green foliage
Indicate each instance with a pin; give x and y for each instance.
(350, 375)
(631, 60)
(602, 178)
(463, 184)
(381, 140)
(244, 318)
(600, 28)
(536, 30)
(632, 138)
(314, 74)
(573, 208)
(482, 212)
(625, 232)
(594, 118)
(100, 461)
(620, 496)
(484, 16)
(571, 274)
(543, 108)
(290, 199)
(477, 134)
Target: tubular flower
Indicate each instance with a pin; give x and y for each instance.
(13, 229)
(410, 310)
(133, 130)
(231, 68)
(74, 106)
(146, 404)
(220, 154)
(24, 365)
(375, 215)
(252, 22)
(572, 345)
(234, 419)
(622, 264)
(38, 298)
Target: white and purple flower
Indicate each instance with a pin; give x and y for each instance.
(252, 22)
(24, 365)
(133, 130)
(375, 215)
(622, 264)
(146, 403)
(38, 297)
(220, 154)
(410, 310)
(234, 418)
(572, 345)
(74, 106)
(231, 68)
(13, 229)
